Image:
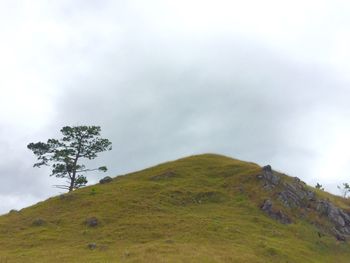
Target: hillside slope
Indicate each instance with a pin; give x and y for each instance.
(205, 208)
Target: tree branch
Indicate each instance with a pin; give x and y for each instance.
(87, 170)
(65, 187)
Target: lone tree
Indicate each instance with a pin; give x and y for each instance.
(345, 189)
(65, 154)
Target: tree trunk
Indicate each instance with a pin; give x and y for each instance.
(72, 181)
(74, 172)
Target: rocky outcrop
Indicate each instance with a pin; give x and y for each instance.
(337, 216)
(268, 177)
(267, 207)
(294, 194)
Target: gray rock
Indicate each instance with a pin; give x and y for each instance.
(337, 217)
(338, 235)
(106, 180)
(269, 178)
(278, 215)
(92, 222)
(39, 222)
(267, 205)
(296, 194)
(92, 246)
(311, 196)
(345, 216)
(335, 214)
(267, 168)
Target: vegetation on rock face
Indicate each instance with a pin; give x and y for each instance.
(344, 189)
(78, 142)
(205, 208)
(319, 186)
(297, 199)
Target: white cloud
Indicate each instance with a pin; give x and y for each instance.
(266, 81)
(9, 202)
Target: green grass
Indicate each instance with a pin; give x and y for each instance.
(202, 208)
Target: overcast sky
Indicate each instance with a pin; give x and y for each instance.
(263, 81)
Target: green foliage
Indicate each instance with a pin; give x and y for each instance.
(93, 191)
(344, 189)
(319, 186)
(64, 155)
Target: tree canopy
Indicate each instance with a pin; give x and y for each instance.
(65, 154)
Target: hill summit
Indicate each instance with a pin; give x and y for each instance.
(203, 208)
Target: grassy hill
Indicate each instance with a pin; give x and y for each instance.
(204, 208)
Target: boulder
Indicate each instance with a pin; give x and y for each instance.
(269, 178)
(92, 246)
(267, 205)
(92, 222)
(267, 168)
(39, 222)
(106, 180)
